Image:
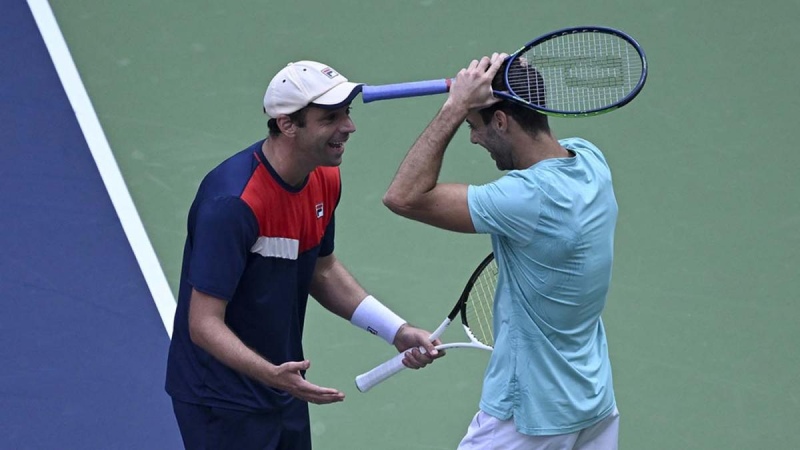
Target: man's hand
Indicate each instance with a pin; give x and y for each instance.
(287, 377)
(472, 88)
(408, 339)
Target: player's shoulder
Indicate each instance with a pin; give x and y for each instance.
(513, 183)
(242, 161)
(579, 143)
(231, 175)
(583, 147)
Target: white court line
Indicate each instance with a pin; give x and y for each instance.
(106, 164)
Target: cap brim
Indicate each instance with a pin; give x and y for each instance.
(341, 95)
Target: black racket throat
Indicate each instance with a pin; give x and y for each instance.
(463, 301)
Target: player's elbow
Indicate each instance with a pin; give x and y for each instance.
(399, 204)
(197, 334)
(201, 330)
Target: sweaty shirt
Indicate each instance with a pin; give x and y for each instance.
(552, 229)
(253, 241)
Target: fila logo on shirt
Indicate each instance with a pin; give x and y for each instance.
(320, 210)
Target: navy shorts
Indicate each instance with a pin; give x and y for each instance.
(207, 428)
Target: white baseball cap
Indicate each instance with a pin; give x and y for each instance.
(302, 83)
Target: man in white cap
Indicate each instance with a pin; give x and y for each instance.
(260, 240)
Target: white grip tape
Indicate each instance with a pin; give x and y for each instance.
(379, 374)
(367, 381)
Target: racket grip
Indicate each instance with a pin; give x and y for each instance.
(402, 90)
(379, 374)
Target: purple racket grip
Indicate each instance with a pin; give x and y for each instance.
(402, 90)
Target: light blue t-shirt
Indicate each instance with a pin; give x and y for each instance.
(552, 228)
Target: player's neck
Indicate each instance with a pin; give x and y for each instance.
(533, 149)
(283, 158)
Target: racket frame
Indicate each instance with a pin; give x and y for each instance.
(564, 32)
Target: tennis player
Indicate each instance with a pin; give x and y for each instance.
(551, 219)
(260, 240)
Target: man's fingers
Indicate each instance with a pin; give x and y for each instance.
(484, 63)
(328, 395)
(496, 63)
(415, 359)
(318, 394)
(326, 399)
(430, 349)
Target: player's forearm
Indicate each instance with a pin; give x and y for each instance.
(419, 172)
(208, 331)
(335, 288)
(219, 341)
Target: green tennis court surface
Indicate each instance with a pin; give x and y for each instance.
(702, 316)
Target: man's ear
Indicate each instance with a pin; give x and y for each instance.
(288, 128)
(500, 120)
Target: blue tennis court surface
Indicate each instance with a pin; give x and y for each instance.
(83, 348)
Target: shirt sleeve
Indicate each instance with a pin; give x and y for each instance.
(224, 231)
(326, 246)
(509, 207)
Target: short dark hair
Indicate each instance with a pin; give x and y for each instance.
(298, 117)
(530, 120)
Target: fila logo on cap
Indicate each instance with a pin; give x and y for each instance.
(330, 73)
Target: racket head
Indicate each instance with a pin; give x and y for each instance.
(575, 72)
(476, 305)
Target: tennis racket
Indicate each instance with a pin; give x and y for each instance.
(475, 307)
(573, 72)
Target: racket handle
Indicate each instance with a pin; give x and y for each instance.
(379, 374)
(402, 90)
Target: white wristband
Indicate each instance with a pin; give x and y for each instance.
(373, 316)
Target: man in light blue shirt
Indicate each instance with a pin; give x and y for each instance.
(551, 219)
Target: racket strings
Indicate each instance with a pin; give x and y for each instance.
(480, 305)
(577, 72)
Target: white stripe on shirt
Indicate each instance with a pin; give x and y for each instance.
(276, 247)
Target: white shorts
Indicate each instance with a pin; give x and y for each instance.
(488, 433)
